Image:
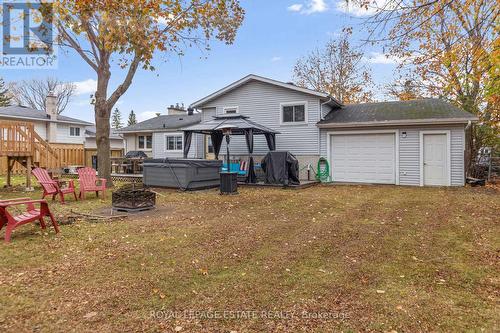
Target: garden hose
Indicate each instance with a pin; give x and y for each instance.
(323, 170)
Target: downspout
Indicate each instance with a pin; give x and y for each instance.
(321, 118)
(468, 150)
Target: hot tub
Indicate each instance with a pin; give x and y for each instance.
(186, 174)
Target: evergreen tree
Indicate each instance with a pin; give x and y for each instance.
(132, 120)
(4, 95)
(116, 120)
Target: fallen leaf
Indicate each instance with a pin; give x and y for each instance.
(90, 315)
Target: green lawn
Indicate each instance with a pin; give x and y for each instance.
(374, 258)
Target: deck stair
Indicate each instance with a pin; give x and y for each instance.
(20, 143)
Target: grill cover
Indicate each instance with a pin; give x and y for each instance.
(281, 167)
(136, 154)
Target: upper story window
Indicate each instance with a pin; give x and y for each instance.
(230, 109)
(74, 131)
(293, 113)
(145, 141)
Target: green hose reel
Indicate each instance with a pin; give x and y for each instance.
(323, 170)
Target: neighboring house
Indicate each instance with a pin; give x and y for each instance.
(418, 142)
(161, 136)
(72, 139)
(50, 126)
(116, 143)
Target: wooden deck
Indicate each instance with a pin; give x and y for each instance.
(20, 143)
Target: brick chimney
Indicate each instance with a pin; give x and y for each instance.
(51, 109)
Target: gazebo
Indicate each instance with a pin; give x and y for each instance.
(240, 125)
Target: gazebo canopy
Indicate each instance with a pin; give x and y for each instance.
(240, 125)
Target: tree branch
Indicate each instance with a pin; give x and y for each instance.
(122, 88)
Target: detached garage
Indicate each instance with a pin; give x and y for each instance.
(420, 142)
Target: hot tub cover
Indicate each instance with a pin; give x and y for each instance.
(164, 162)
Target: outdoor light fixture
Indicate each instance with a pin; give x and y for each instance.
(403, 134)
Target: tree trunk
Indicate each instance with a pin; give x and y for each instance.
(102, 116)
(102, 111)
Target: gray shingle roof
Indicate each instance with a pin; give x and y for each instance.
(163, 123)
(422, 110)
(90, 133)
(26, 112)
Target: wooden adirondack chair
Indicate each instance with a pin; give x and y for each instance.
(51, 187)
(31, 214)
(89, 182)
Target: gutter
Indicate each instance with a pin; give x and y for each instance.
(444, 121)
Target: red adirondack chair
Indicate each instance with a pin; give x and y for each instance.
(51, 187)
(89, 182)
(31, 214)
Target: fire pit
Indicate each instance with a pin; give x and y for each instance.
(133, 198)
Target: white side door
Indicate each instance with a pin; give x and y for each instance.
(435, 159)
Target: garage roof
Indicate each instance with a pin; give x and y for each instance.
(421, 111)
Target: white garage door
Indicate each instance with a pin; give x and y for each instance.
(363, 158)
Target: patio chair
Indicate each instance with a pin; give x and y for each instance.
(89, 182)
(239, 167)
(51, 186)
(31, 214)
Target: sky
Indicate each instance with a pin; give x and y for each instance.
(274, 34)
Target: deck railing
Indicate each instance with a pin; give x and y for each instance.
(16, 138)
(19, 139)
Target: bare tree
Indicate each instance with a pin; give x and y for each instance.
(337, 69)
(33, 93)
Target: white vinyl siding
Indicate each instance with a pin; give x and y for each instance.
(261, 102)
(114, 143)
(409, 151)
(41, 129)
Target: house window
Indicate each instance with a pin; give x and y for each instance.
(74, 131)
(145, 141)
(230, 109)
(173, 142)
(293, 113)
